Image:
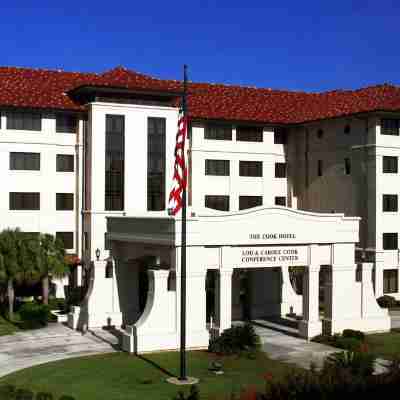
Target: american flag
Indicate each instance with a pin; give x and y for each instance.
(180, 171)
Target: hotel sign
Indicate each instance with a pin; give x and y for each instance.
(259, 257)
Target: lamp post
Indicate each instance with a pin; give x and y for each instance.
(97, 254)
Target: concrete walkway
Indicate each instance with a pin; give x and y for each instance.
(55, 342)
(283, 344)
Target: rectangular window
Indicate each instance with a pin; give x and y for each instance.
(114, 162)
(249, 202)
(218, 132)
(156, 130)
(24, 121)
(66, 123)
(280, 136)
(390, 127)
(280, 201)
(217, 167)
(319, 168)
(390, 281)
(24, 201)
(280, 170)
(249, 134)
(250, 168)
(389, 202)
(217, 202)
(389, 241)
(65, 163)
(107, 242)
(64, 201)
(25, 161)
(389, 165)
(67, 238)
(347, 166)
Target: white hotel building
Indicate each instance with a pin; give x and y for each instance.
(89, 158)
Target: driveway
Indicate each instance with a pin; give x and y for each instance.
(55, 342)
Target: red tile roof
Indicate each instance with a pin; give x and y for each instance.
(35, 88)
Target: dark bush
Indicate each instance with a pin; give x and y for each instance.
(64, 397)
(44, 396)
(34, 314)
(24, 394)
(58, 304)
(348, 343)
(386, 301)
(235, 340)
(75, 296)
(194, 394)
(7, 392)
(350, 333)
(356, 363)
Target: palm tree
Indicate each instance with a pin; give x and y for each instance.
(10, 263)
(50, 260)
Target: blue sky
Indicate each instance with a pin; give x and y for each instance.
(299, 45)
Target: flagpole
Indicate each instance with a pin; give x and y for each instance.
(183, 375)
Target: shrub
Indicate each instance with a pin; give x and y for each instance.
(34, 314)
(24, 394)
(194, 394)
(7, 392)
(356, 363)
(58, 304)
(44, 396)
(350, 333)
(64, 397)
(386, 301)
(348, 343)
(235, 340)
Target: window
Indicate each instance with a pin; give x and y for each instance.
(65, 163)
(249, 134)
(218, 132)
(390, 127)
(114, 163)
(249, 202)
(347, 129)
(217, 202)
(389, 165)
(280, 136)
(347, 166)
(67, 238)
(156, 164)
(320, 133)
(64, 201)
(389, 202)
(319, 168)
(25, 161)
(390, 281)
(24, 121)
(107, 242)
(250, 168)
(66, 123)
(217, 167)
(389, 241)
(280, 201)
(24, 201)
(280, 170)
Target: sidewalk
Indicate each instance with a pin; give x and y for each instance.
(55, 342)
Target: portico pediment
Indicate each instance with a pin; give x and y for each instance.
(258, 226)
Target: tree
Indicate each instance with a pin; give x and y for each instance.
(49, 257)
(11, 270)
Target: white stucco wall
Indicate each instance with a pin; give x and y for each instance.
(47, 181)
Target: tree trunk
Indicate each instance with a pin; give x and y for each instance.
(10, 294)
(45, 289)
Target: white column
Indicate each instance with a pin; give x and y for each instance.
(224, 296)
(311, 325)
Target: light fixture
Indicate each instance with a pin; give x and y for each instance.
(97, 254)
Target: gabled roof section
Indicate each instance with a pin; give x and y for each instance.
(51, 89)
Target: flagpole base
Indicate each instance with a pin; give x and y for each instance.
(180, 382)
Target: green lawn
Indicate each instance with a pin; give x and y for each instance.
(385, 345)
(120, 376)
(6, 328)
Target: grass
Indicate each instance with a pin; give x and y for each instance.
(119, 376)
(384, 345)
(6, 327)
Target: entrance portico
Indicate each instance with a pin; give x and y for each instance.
(261, 239)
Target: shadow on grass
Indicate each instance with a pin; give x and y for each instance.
(155, 365)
